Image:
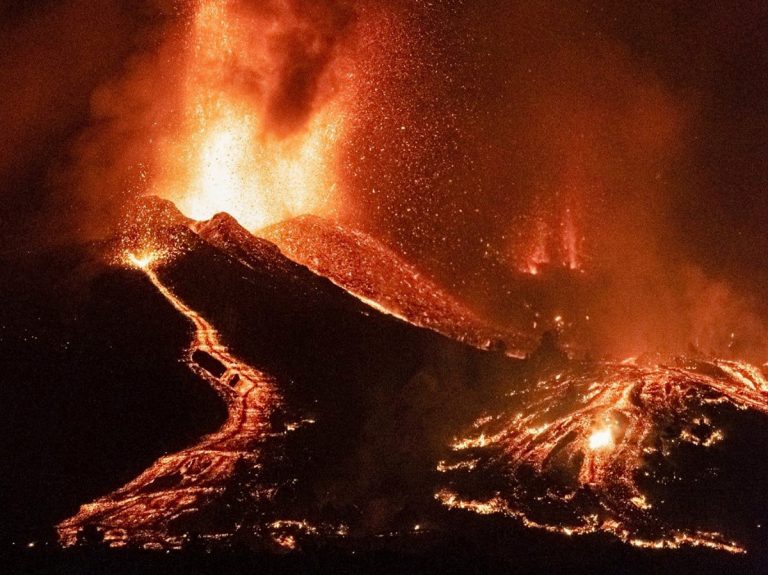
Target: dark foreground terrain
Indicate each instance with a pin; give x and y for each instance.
(94, 390)
(491, 548)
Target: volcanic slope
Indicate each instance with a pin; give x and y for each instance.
(320, 389)
(368, 269)
(91, 386)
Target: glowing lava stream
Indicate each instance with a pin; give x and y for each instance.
(574, 454)
(180, 483)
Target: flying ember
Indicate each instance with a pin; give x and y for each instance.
(143, 261)
(227, 153)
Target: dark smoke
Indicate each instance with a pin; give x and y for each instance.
(301, 55)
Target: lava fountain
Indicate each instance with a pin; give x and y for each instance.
(231, 150)
(235, 148)
(550, 242)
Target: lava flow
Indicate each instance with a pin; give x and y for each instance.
(144, 511)
(579, 450)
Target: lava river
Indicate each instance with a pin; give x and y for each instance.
(588, 449)
(145, 510)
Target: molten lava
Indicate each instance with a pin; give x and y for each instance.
(143, 261)
(576, 450)
(227, 154)
(601, 439)
(144, 511)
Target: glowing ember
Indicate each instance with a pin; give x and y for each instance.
(142, 261)
(552, 241)
(601, 439)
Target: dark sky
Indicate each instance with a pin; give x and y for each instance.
(647, 122)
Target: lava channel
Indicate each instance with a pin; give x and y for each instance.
(180, 484)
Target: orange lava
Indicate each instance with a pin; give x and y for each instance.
(573, 450)
(143, 511)
(224, 155)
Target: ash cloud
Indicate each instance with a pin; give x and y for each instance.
(107, 163)
(301, 56)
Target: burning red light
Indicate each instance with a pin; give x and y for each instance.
(549, 242)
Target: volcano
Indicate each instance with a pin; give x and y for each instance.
(287, 351)
(368, 269)
(364, 286)
(231, 395)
